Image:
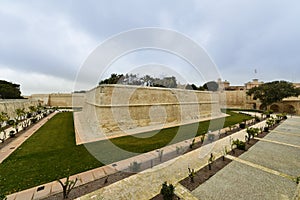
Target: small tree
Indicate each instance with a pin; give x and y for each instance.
(67, 186)
(202, 138)
(272, 92)
(167, 191)
(210, 160)
(211, 86)
(3, 118)
(192, 144)
(191, 174)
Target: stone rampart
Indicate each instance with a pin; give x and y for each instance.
(9, 106)
(112, 109)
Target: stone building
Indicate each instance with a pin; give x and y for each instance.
(236, 97)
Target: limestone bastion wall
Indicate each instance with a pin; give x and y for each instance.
(60, 99)
(120, 108)
(9, 106)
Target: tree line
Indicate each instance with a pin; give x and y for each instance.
(9, 90)
(147, 80)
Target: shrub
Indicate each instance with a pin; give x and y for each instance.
(270, 122)
(167, 191)
(252, 132)
(3, 197)
(239, 144)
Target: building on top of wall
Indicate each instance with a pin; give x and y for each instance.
(225, 85)
(253, 83)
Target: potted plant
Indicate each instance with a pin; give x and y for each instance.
(242, 125)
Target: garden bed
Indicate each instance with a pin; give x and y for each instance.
(205, 173)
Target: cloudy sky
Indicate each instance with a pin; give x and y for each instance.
(44, 43)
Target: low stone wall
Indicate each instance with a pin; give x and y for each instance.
(9, 106)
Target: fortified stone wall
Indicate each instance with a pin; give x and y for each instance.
(42, 98)
(9, 106)
(235, 99)
(60, 100)
(120, 108)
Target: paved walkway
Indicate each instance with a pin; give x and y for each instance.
(9, 148)
(268, 170)
(147, 184)
(201, 154)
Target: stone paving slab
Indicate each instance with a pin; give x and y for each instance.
(11, 197)
(55, 187)
(238, 181)
(45, 192)
(26, 194)
(279, 157)
(285, 138)
(184, 193)
(98, 173)
(86, 177)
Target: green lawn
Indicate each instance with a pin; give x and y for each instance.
(51, 152)
(47, 155)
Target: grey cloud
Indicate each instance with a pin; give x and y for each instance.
(55, 37)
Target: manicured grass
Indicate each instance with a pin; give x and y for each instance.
(148, 141)
(51, 152)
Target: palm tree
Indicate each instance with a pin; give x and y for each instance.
(3, 118)
(20, 113)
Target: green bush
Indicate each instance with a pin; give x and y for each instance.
(252, 132)
(239, 144)
(2, 197)
(167, 191)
